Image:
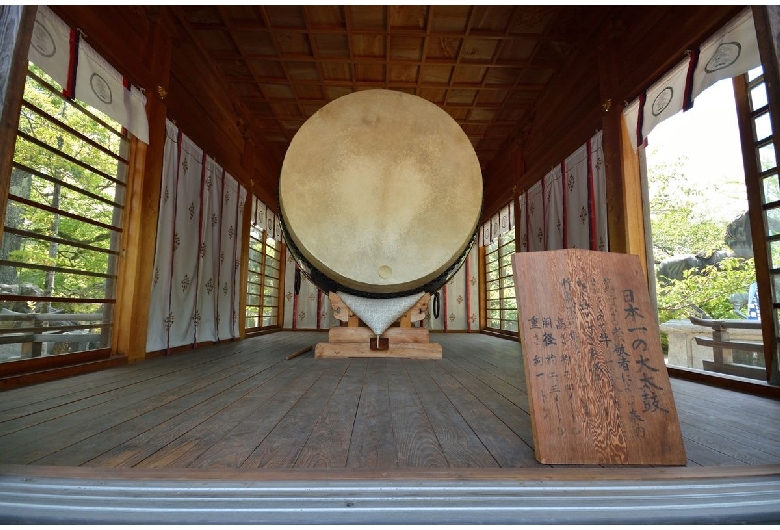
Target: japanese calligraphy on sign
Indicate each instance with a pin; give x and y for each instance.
(598, 388)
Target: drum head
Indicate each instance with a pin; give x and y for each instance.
(381, 192)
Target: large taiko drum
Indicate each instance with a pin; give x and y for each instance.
(380, 195)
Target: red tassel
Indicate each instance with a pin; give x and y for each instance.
(69, 90)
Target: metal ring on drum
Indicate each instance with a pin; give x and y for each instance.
(380, 195)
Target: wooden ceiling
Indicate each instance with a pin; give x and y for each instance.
(486, 66)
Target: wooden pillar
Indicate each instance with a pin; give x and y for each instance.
(483, 285)
(136, 264)
(625, 209)
(766, 20)
(16, 24)
(247, 161)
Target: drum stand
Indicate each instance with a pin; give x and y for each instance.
(356, 340)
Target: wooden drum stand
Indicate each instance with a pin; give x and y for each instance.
(357, 340)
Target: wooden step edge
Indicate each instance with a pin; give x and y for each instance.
(59, 372)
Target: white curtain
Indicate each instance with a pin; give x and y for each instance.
(535, 217)
(310, 308)
(195, 289)
(458, 299)
(553, 209)
(578, 180)
(567, 208)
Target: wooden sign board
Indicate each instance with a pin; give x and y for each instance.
(598, 388)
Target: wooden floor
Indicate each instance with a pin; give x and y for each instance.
(243, 405)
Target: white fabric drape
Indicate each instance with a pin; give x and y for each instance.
(458, 299)
(567, 208)
(664, 98)
(577, 199)
(553, 209)
(160, 304)
(521, 230)
(97, 83)
(535, 217)
(500, 223)
(50, 45)
(310, 308)
(258, 213)
(731, 51)
(185, 243)
(195, 289)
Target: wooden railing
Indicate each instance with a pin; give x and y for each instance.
(37, 329)
(722, 347)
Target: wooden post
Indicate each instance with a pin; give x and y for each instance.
(483, 284)
(720, 354)
(16, 24)
(136, 261)
(625, 214)
(246, 223)
(282, 270)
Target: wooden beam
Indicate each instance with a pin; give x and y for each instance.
(482, 283)
(625, 210)
(246, 227)
(16, 24)
(136, 262)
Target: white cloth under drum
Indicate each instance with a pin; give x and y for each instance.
(380, 313)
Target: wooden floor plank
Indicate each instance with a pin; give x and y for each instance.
(461, 446)
(191, 445)
(514, 417)
(328, 445)
(415, 439)
(505, 446)
(513, 393)
(754, 409)
(373, 440)
(284, 443)
(270, 405)
(242, 404)
(91, 383)
(117, 434)
(735, 428)
(74, 389)
(215, 407)
(46, 438)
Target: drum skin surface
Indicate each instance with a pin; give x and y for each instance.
(381, 192)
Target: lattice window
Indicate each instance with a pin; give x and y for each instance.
(262, 302)
(63, 225)
(501, 304)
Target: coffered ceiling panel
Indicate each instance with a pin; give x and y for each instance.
(486, 66)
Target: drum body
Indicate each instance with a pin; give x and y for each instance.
(380, 195)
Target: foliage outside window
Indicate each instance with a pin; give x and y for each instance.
(500, 285)
(702, 241)
(63, 225)
(262, 303)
